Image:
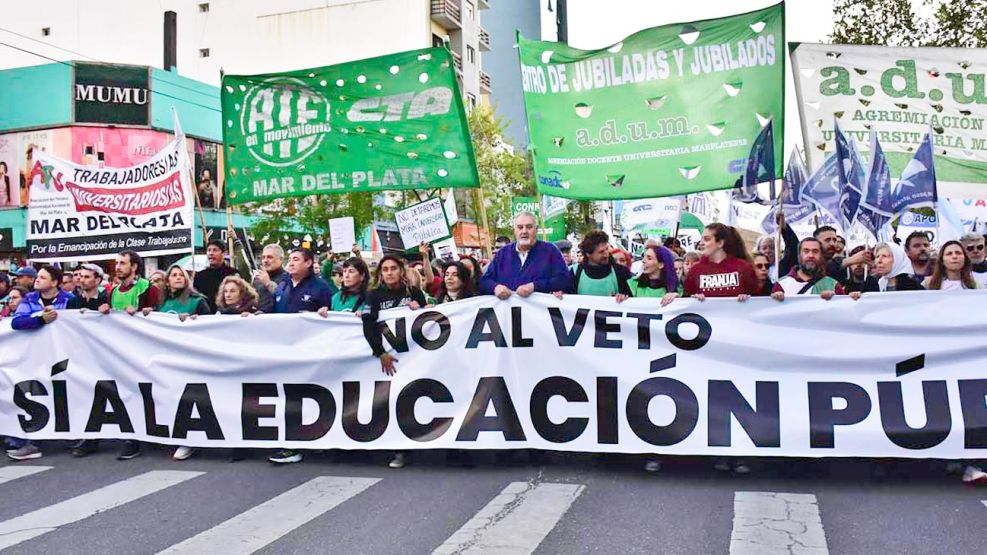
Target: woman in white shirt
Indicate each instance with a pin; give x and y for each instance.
(954, 270)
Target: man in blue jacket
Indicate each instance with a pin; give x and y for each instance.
(303, 290)
(526, 265)
(38, 308)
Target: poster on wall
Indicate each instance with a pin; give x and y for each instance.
(9, 174)
(89, 213)
(116, 148)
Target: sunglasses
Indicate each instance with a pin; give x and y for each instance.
(762, 266)
(975, 247)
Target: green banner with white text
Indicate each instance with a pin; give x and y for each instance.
(386, 123)
(667, 111)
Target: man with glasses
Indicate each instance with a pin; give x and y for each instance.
(974, 245)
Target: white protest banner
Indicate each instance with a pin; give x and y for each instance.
(658, 214)
(804, 377)
(342, 234)
(902, 93)
(88, 213)
(422, 222)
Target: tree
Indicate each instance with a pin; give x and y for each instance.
(504, 173)
(953, 23)
(884, 22)
(311, 214)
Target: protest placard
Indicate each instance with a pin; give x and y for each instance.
(422, 222)
(342, 234)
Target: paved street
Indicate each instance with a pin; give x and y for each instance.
(571, 504)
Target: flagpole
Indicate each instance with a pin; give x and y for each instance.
(484, 237)
(541, 217)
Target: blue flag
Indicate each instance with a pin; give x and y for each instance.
(760, 166)
(875, 207)
(793, 180)
(822, 190)
(917, 186)
(851, 178)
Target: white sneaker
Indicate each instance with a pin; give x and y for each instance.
(974, 476)
(653, 465)
(183, 453)
(399, 460)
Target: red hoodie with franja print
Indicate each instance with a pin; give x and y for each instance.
(731, 277)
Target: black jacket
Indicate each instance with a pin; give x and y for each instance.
(383, 298)
(790, 259)
(902, 282)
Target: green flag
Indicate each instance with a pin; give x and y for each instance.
(393, 122)
(554, 228)
(668, 111)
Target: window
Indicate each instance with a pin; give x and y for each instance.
(471, 54)
(203, 52)
(204, 8)
(437, 41)
(45, 31)
(469, 10)
(472, 100)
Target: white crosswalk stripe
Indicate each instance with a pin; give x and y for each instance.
(265, 523)
(42, 521)
(515, 521)
(769, 523)
(9, 473)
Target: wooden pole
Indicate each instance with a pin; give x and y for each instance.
(202, 215)
(483, 218)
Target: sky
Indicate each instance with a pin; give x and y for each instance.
(599, 23)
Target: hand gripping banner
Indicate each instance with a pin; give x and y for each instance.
(881, 377)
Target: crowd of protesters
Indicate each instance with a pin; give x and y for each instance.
(721, 266)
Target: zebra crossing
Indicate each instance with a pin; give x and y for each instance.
(517, 517)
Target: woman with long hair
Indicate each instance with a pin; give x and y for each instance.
(457, 284)
(724, 269)
(953, 270)
(352, 294)
(658, 278)
(391, 290)
(893, 269)
(180, 297)
(236, 296)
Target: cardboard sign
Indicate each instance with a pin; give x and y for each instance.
(425, 221)
(342, 233)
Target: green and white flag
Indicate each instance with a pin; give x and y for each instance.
(670, 110)
(900, 93)
(393, 122)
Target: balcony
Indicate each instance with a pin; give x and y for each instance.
(457, 60)
(447, 13)
(485, 82)
(484, 40)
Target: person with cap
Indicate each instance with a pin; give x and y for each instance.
(207, 280)
(565, 247)
(25, 277)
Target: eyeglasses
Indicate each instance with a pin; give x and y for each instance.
(979, 247)
(762, 266)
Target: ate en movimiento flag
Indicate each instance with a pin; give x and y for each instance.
(386, 123)
(667, 111)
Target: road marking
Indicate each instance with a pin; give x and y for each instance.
(515, 521)
(10, 473)
(769, 523)
(42, 521)
(265, 523)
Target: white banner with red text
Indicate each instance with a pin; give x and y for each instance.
(890, 375)
(91, 213)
